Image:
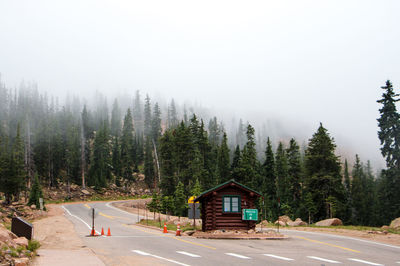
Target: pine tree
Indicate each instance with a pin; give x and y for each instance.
(196, 189)
(12, 175)
(223, 160)
(389, 135)
(100, 170)
(282, 182)
(389, 125)
(295, 172)
(357, 193)
(149, 175)
(36, 193)
(347, 185)
(268, 187)
(323, 179)
(172, 115)
(236, 171)
(116, 161)
(249, 162)
(180, 200)
(116, 120)
(127, 146)
(167, 162)
(156, 124)
(147, 118)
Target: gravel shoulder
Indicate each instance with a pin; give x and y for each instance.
(59, 241)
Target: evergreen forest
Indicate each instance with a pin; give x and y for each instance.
(44, 142)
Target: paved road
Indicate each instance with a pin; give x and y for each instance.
(151, 247)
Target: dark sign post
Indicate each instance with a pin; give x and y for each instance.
(93, 232)
(92, 213)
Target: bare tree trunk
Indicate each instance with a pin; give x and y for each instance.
(157, 163)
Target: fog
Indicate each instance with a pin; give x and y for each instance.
(289, 64)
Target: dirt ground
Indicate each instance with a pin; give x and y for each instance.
(54, 231)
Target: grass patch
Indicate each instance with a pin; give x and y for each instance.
(33, 245)
(170, 227)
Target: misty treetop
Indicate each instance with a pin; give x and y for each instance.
(180, 154)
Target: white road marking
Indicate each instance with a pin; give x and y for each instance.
(322, 259)
(158, 257)
(237, 255)
(366, 262)
(345, 237)
(117, 209)
(141, 252)
(398, 262)
(79, 219)
(277, 257)
(189, 254)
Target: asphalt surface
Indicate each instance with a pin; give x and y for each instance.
(152, 247)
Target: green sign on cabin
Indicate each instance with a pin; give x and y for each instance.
(250, 215)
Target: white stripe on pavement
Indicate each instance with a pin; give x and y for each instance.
(158, 257)
(277, 257)
(141, 252)
(237, 255)
(322, 259)
(189, 254)
(366, 262)
(79, 219)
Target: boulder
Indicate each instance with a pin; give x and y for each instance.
(297, 222)
(395, 224)
(329, 222)
(285, 219)
(21, 261)
(21, 241)
(84, 191)
(33, 206)
(281, 223)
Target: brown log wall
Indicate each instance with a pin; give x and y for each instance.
(214, 218)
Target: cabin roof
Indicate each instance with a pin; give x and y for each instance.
(225, 184)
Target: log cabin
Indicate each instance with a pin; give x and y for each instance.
(221, 206)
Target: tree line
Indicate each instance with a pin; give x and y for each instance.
(181, 156)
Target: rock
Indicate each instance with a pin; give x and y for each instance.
(21, 241)
(281, 223)
(297, 222)
(285, 219)
(251, 231)
(189, 232)
(33, 206)
(385, 227)
(329, 222)
(84, 191)
(395, 224)
(21, 261)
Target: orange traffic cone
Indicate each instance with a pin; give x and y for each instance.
(93, 232)
(109, 232)
(178, 230)
(102, 231)
(165, 228)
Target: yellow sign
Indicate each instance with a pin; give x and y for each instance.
(191, 199)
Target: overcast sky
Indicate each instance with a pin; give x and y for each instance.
(307, 61)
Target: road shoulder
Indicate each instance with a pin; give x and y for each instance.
(60, 245)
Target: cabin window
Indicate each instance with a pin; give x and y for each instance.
(231, 203)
